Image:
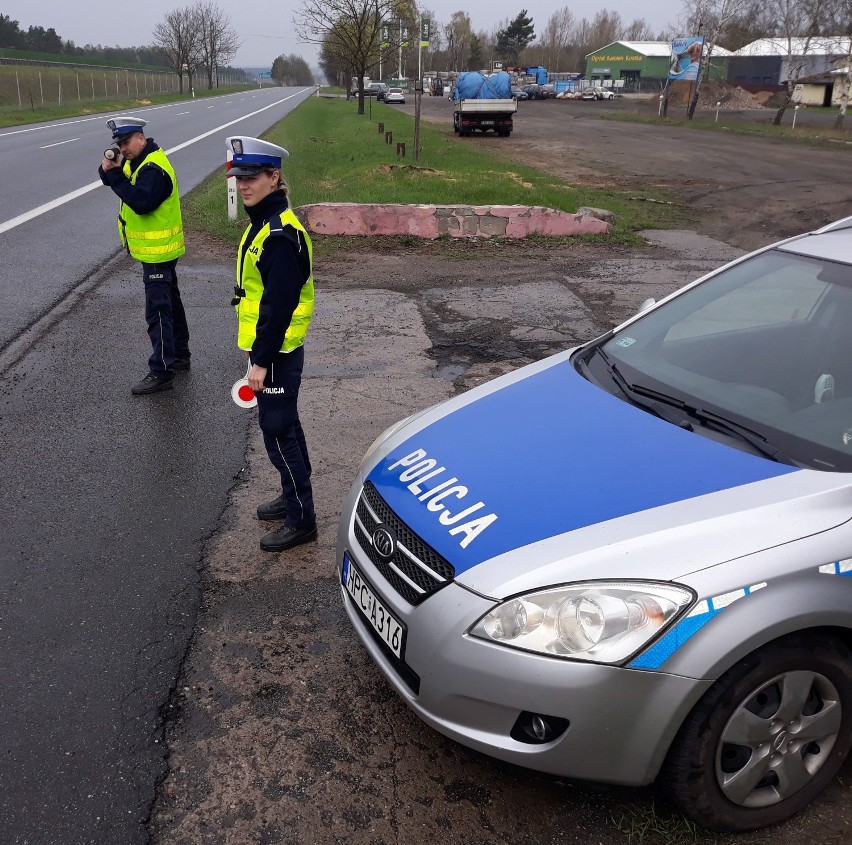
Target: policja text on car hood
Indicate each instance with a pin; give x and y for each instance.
(551, 479)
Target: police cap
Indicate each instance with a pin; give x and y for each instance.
(251, 156)
(125, 125)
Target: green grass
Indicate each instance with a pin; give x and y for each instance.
(337, 155)
(644, 824)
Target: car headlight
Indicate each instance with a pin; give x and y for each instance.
(600, 622)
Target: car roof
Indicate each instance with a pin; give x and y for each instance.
(832, 242)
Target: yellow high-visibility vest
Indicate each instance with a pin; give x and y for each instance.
(250, 287)
(157, 236)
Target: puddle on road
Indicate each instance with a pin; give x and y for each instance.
(451, 372)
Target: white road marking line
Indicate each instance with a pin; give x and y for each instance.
(49, 206)
(58, 144)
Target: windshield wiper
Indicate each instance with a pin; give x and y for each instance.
(658, 404)
(717, 422)
(681, 413)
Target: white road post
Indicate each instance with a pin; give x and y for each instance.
(232, 190)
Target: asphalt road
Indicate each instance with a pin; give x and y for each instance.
(106, 498)
(55, 205)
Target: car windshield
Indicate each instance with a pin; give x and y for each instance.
(758, 354)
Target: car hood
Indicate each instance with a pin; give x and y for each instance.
(543, 477)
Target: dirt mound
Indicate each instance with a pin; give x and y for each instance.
(729, 95)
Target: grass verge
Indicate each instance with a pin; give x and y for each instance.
(337, 155)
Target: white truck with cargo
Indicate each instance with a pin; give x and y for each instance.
(484, 103)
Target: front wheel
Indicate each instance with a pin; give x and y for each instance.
(766, 738)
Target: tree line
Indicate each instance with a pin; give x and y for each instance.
(193, 41)
(37, 39)
(354, 37)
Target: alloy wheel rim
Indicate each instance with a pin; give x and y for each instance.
(778, 738)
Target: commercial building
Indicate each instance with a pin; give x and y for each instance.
(641, 65)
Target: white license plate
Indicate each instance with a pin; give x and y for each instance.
(486, 122)
(383, 622)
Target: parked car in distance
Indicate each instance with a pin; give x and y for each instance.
(655, 581)
(394, 95)
(372, 89)
(598, 94)
(520, 94)
(535, 92)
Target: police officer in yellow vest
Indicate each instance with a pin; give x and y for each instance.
(274, 301)
(151, 229)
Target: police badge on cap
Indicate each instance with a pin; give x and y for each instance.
(124, 126)
(251, 156)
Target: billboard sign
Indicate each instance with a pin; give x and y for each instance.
(686, 58)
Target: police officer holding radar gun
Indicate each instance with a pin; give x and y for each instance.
(151, 229)
(274, 301)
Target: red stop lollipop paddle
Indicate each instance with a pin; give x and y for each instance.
(242, 394)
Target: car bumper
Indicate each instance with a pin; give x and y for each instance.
(620, 721)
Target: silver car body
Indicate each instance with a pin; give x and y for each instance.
(544, 479)
(395, 95)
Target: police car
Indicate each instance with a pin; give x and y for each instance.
(630, 562)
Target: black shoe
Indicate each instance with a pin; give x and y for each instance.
(153, 383)
(181, 364)
(276, 509)
(286, 537)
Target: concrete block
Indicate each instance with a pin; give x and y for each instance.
(429, 221)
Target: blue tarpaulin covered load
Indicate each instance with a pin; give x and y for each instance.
(475, 86)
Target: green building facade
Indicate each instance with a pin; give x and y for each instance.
(641, 64)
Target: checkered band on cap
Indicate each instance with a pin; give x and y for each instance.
(252, 155)
(125, 125)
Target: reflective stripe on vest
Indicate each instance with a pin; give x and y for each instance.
(158, 235)
(250, 285)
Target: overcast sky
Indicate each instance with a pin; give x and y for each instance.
(113, 24)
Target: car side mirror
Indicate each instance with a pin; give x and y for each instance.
(647, 304)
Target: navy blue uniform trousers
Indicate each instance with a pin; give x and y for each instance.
(165, 316)
(283, 436)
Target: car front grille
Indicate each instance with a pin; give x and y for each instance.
(415, 570)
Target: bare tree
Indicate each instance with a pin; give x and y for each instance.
(637, 30)
(348, 30)
(711, 18)
(843, 74)
(606, 27)
(178, 39)
(218, 41)
(556, 36)
(801, 23)
(458, 33)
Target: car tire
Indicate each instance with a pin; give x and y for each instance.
(736, 763)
